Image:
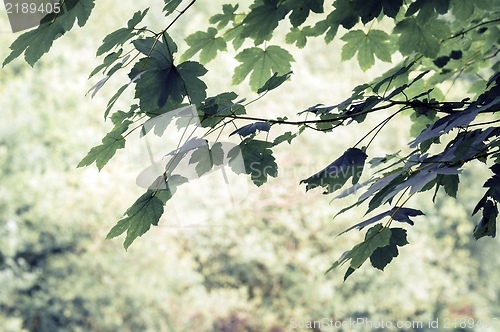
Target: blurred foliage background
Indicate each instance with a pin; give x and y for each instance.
(263, 263)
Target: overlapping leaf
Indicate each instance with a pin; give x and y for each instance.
(302, 8)
(213, 109)
(342, 15)
(251, 129)
(423, 39)
(487, 225)
(258, 159)
(37, 42)
(161, 80)
(382, 256)
(206, 158)
(376, 237)
(171, 6)
(427, 9)
(454, 120)
(368, 10)
(397, 213)
(260, 23)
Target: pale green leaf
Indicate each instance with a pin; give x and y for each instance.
(206, 43)
(376, 42)
(261, 64)
(223, 19)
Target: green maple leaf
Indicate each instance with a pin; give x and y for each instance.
(257, 158)
(299, 36)
(260, 23)
(463, 9)
(376, 237)
(274, 82)
(146, 211)
(286, 137)
(158, 80)
(384, 255)
(207, 43)
(113, 141)
(120, 36)
(301, 8)
(262, 64)
(342, 15)
(376, 42)
(427, 9)
(368, 10)
(36, 43)
(206, 158)
(171, 6)
(227, 16)
(423, 39)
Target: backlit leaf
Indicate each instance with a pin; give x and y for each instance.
(206, 43)
(113, 141)
(376, 42)
(35, 43)
(120, 36)
(375, 237)
(223, 19)
(261, 64)
(301, 8)
(146, 211)
(260, 23)
(384, 255)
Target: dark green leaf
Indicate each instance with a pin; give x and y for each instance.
(260, 23)
(258, 160)
(101, 154)
(251, 129)
(36, 43)
(384, 255)
(487, 225)
(161, 81)
(274, 82)
(375, 237)
(342, 15)
(368, 10)
(301, 8)
(335, 175)
(397, 213)
(146, 211)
